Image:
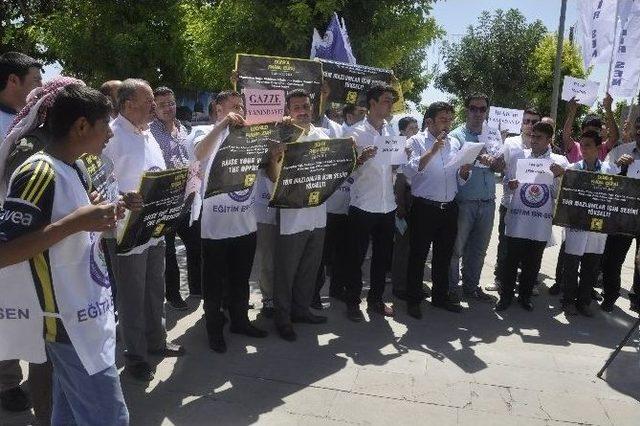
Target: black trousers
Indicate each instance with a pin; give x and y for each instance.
(226, 267)
(526, 254)
(577, 285)
(560, 266)
(615, 252)
(335, 254)
(190, 236)
(501, 250)
(431, 224)
(378, 227)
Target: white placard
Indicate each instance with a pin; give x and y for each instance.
(634, 170)
(492, 140)
(467, 154)
(534, 170)
(391, 150)
(506, 119)
(585, 91)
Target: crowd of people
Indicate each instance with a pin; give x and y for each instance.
(58, 249)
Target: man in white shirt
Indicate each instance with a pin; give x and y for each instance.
(300, 239)
(19, 74)
(352, 114)
(513, 146)
(372, 208)
(528, 220)
(228, 232)
(139, 273)
(434, 213)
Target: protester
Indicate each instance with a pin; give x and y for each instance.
(139, 272)
(583, 249)
(177, 152)
(476, 206)
(228, 234)
(527, 234)
(434, 213)
(19, 75)
(372, 208)
(300, 239)
(408, 126)
(110, 89)
(618, 246)
(45, 251)
(513, 148)
(351, 115)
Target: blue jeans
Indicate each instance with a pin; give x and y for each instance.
(81, 399)
(475, 223)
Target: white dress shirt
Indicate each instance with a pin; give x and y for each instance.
(372, 188)
(434, 182)
(133, 152)
(513, 148)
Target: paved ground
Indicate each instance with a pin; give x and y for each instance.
(473, 368)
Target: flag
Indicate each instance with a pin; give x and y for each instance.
(334, 45)
(596, 23)
(625, 71)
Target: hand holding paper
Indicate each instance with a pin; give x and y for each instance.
(534, 170)
(585, 92)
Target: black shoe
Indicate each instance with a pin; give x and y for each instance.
(217, 343)
(268, 312)
(140, 371)
(555, 289)
(178, 304)
(249, 330)
(413, 309)
(607, 306)
(453, 297)
(526, 304)
(287, 333)
(339, 295)
(595, 295)
(570, 309)
(14, 400)
(309, 319)
(354, 313)
(478, 294)
(380, 308)
(448, 305)
(317, 304)
(170, 350)
(585, 310)
(503, 304)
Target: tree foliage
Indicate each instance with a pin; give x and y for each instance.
(191, 44)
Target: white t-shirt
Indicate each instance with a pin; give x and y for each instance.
(133, 152)
(226, 215)
(530, 210)
(293, 221)
(513, 148)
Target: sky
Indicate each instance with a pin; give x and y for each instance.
(454, 16)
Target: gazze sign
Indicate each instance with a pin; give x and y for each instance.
(263, 105)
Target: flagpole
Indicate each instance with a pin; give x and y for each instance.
(615, 42)
(558, 63)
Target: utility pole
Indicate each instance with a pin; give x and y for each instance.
(558, 64)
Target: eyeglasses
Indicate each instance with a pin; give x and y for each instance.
(472, 108)
(530, 121)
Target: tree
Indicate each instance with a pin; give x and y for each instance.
(191, 44)
(493, 57)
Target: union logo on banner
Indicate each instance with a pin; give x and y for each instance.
(534, 195)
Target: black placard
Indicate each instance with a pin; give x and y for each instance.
(163, 194)
(243, 151)
(275, 72)
(597, 202)
(312, 171)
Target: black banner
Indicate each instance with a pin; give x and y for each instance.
(348, 83)
(596, 202)
(101, 177)
(312, 171)
(243, 151)
(274, 72)
(164, 205)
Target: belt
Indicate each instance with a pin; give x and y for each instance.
(440, 205)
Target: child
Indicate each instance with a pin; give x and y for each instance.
(582, 248)
(53, 272)
(528, 221)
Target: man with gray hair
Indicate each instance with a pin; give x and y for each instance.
(139, 272)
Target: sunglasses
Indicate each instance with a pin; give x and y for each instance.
(530, 121)
(472, 108)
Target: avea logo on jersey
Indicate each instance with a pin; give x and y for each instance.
(16, 217)
(534, 195)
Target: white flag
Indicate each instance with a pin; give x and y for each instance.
(596, 22)
(625, 72)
